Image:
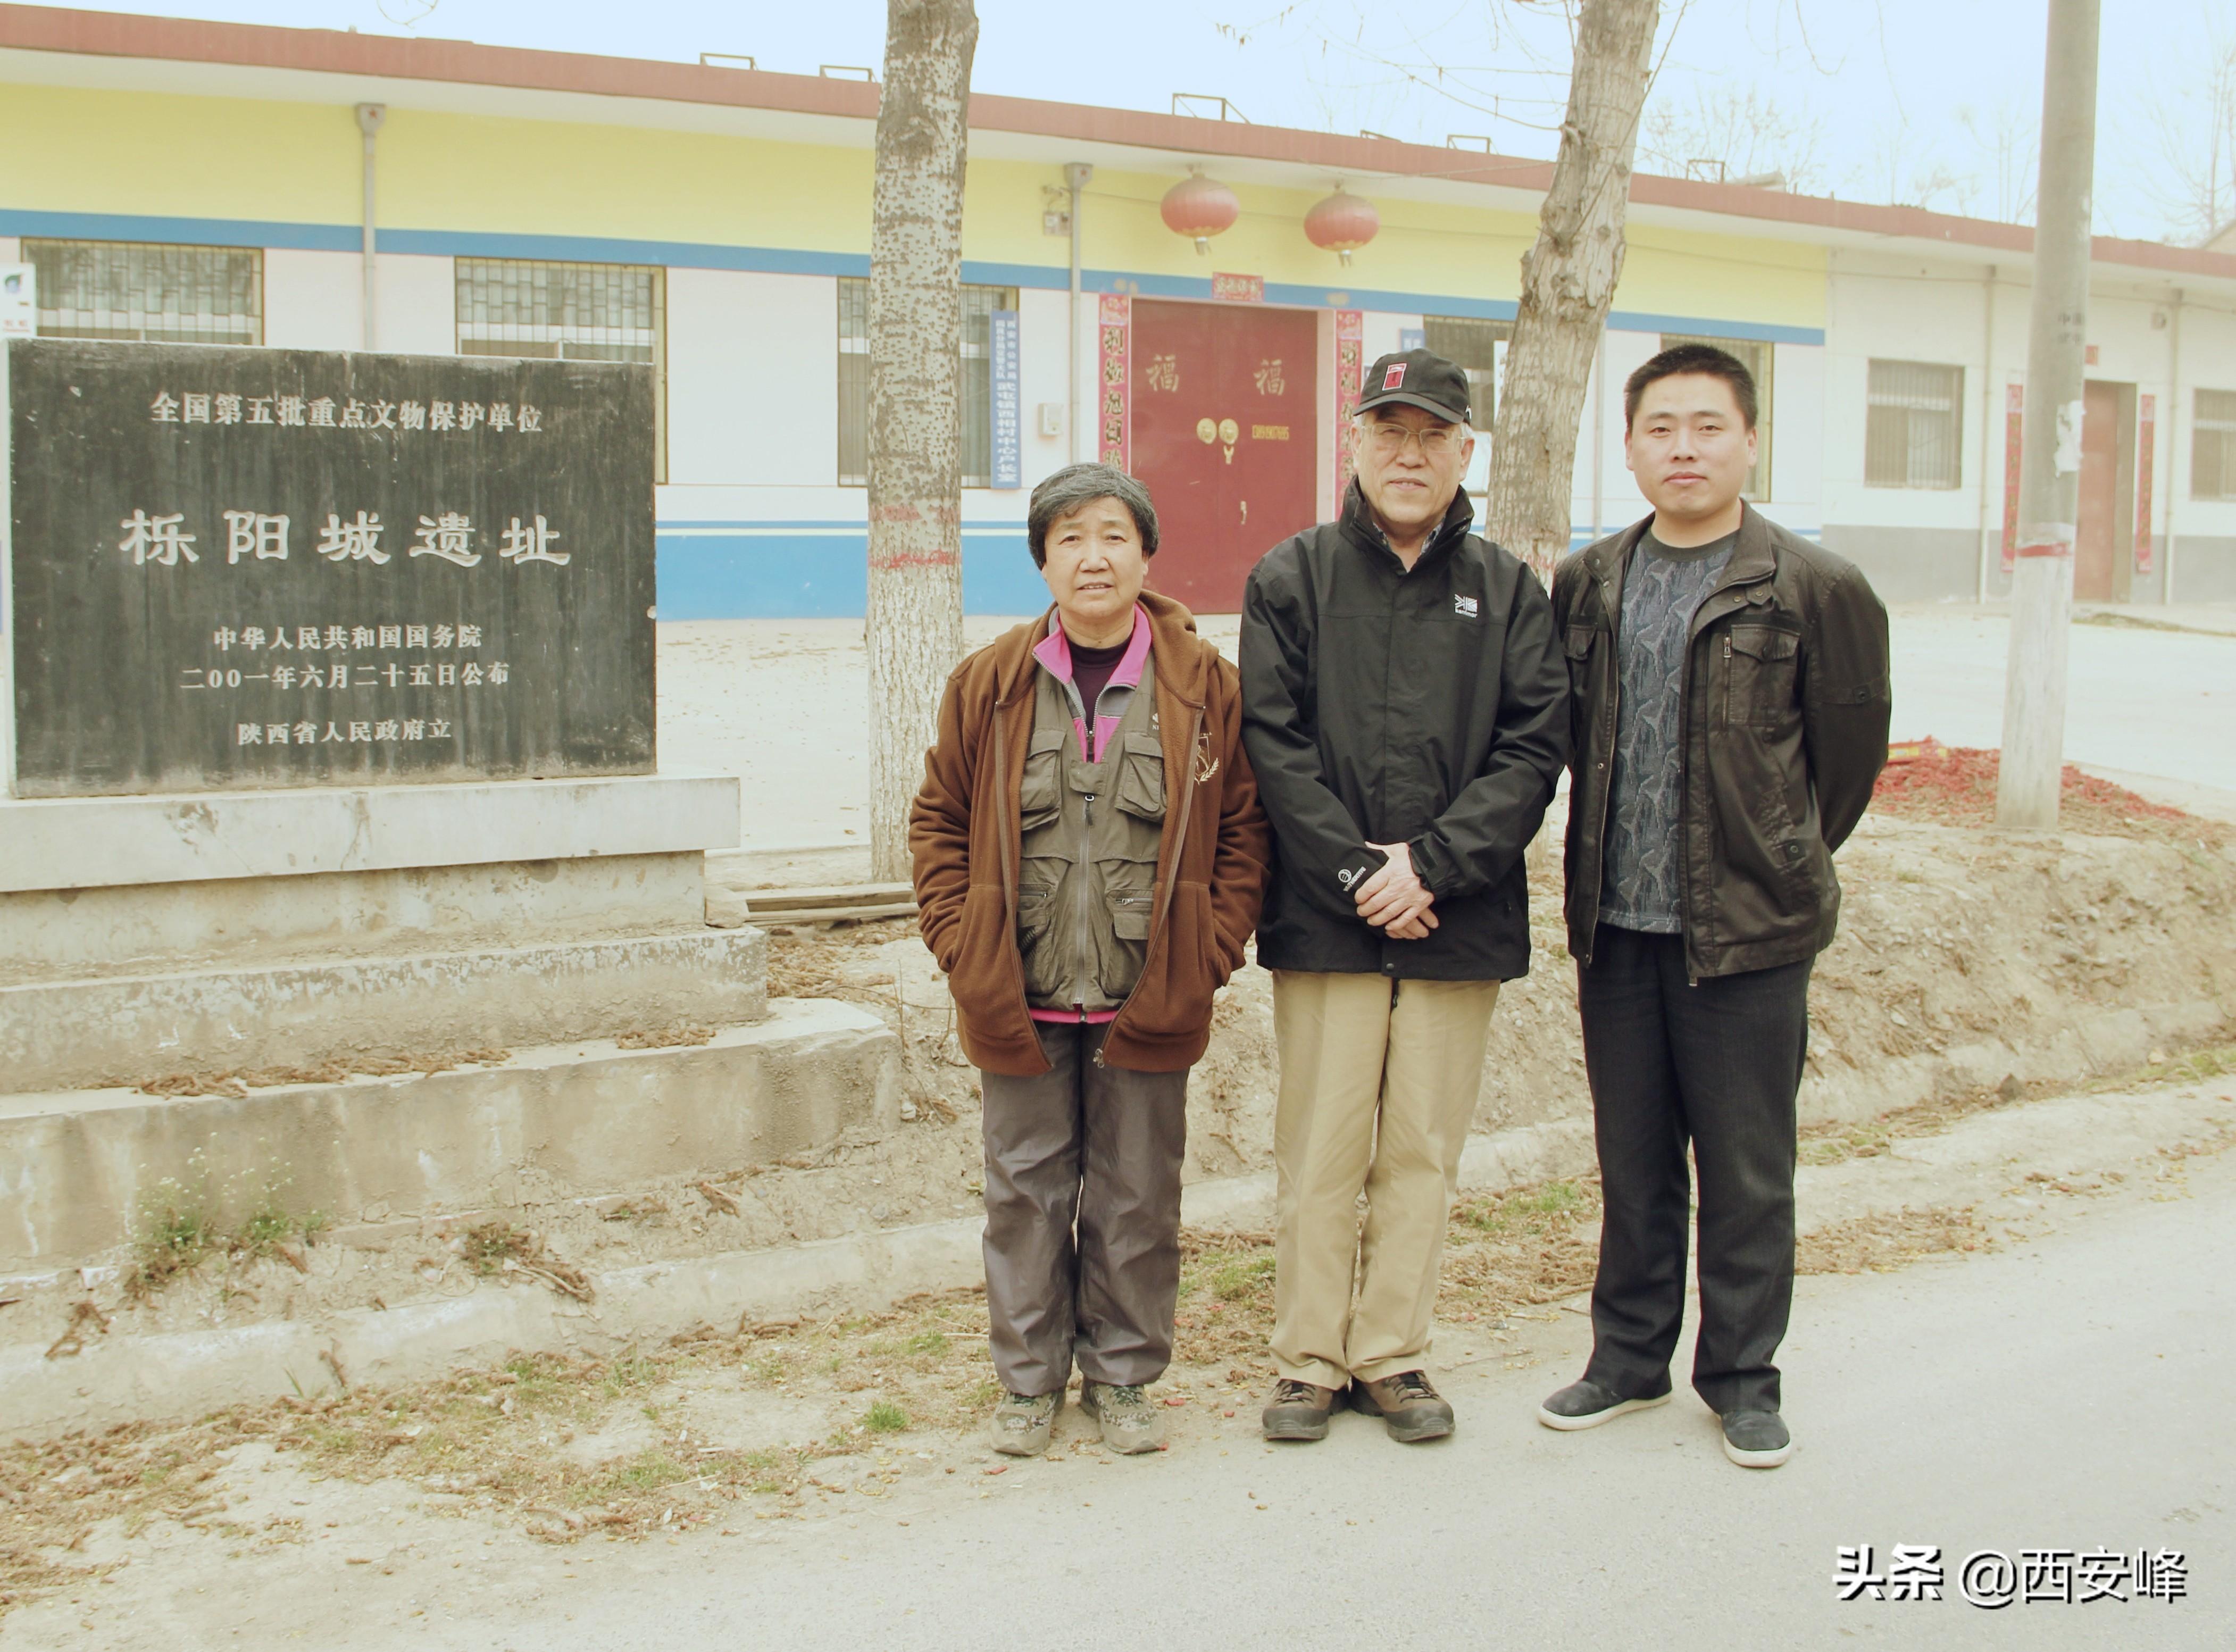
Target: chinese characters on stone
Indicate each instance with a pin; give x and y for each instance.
(317, 674)
(162, 540)
(324, 412)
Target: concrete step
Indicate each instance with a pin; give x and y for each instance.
(312, 1012)
(567, 1121)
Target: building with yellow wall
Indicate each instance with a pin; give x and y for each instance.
(189, 180)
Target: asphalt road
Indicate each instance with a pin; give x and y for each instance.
(2071, 1393)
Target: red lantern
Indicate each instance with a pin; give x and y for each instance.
(1341, 224)
(1199, 207)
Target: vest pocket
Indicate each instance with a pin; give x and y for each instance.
(1130, 915)
(1039, 795)
(1140, 790)
(1039, 947)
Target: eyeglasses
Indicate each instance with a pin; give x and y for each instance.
(1438, 442)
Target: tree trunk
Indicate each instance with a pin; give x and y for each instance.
(1568, 282)
(915, 619)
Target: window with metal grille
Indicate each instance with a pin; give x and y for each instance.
(2212, 446)
(1470, 344)
(979, 303)
(518, 306)
(149, 293)
(1913, 426)
(1756, 353)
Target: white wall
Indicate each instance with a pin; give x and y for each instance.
(1798, 375)
(313, 300)
(1906, 312)
(752, 382)
(2208, 349)
(1042, 316)
(416, 303)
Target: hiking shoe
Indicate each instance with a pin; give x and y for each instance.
(1586, 1405)
(1756, 1439)
(1408, 1407)
(1300, 1412)
(1129, 1422)
(1022, 1422)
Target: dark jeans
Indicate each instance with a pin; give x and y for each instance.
(1715, 1064)
(1097, 1149)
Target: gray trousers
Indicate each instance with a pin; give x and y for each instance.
(1097, 1151)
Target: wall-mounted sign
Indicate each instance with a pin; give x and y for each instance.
(1006, 412)
(1238, 289)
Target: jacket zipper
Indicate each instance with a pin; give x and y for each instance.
(1179, 847)
(1606, 786)
(1083, 962)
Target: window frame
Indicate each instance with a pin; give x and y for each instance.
(1760, 356)
(475, 336)
(2213, 428)
(1889, 399)
(1485, 335)
(853, 380)
(37, 250)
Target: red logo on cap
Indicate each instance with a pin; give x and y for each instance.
(1394, 377)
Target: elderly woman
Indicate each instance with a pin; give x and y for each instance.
(1089, 860)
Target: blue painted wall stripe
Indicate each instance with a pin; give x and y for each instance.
(819, 570)
(777, 261)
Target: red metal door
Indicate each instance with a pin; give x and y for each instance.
(1223, 403)
(2097, 536)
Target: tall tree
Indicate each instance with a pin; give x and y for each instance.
(1568, 283)
(915, 620)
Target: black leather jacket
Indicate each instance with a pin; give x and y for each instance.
(1784, 731)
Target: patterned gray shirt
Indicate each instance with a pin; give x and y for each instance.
(1661, 591)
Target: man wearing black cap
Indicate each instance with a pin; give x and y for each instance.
(1405, 707)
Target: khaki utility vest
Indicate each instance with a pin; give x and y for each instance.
(1091, 830)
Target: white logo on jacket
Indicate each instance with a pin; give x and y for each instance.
(1464, 607)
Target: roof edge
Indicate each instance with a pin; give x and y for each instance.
(106, 34)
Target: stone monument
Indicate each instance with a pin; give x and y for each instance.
(331, 749)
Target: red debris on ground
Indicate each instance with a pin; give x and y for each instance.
(1956, 785)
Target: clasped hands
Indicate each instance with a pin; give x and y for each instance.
(1394, 899)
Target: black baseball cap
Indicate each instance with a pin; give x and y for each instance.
(1419, 379)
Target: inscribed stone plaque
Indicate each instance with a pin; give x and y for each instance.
(236, 567)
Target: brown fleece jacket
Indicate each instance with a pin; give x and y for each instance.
(1212, 862)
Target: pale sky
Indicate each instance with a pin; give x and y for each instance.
(1932, 102)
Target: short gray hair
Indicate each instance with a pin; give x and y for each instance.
(1079, 485)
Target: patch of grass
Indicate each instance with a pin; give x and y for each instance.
(174, 1235)
(884, 1417)
(1530, 1210)
(927, 1342)
(648, 1472)
(2192, 1067)
(1847, 1141)
(629, 1371)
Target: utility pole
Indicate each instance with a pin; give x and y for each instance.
(2049, 463)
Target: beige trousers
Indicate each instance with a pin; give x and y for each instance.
(1378, 1084)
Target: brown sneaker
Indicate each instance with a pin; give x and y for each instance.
(1300, 1412)
(1408, 1407)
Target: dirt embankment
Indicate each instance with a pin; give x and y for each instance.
(1966, 963)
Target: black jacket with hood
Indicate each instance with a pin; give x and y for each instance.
(1426, 707)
